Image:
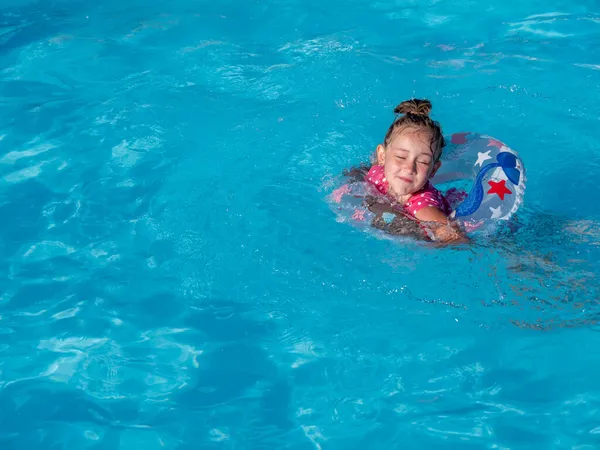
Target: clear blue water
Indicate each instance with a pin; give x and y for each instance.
(173, 277)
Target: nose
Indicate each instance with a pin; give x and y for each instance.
(410, 166)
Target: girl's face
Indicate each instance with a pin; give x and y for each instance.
(408, 161)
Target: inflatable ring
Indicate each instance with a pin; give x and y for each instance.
(486, 180)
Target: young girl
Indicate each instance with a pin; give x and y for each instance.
(406, 160)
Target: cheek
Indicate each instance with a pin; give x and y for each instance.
(391, 165)
(388, 171)
(423, 170)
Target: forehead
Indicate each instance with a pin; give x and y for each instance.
(412, 140)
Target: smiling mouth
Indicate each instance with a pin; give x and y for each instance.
(406, 180)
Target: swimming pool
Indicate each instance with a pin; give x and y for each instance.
(175, 279)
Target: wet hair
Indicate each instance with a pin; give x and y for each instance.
(414, 114)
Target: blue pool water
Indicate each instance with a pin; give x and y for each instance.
(173, 277)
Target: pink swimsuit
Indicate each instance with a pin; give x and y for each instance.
(427, 196)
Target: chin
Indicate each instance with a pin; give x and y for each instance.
(404, 186)
(402, 190)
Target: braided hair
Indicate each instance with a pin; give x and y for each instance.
(414, 113)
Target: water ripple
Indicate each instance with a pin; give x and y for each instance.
(174, 278)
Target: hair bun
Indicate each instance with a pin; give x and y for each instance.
(414, 106)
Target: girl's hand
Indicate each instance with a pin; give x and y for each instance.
(442, 228)
(447, 233)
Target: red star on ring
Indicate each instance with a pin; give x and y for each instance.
(495, 143)
(498, 187)
(359, 215)
(459, 138)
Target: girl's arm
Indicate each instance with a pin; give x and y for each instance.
(397, 222)
(443, 230)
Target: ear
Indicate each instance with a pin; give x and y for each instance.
(380, 155)
(436, 167)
